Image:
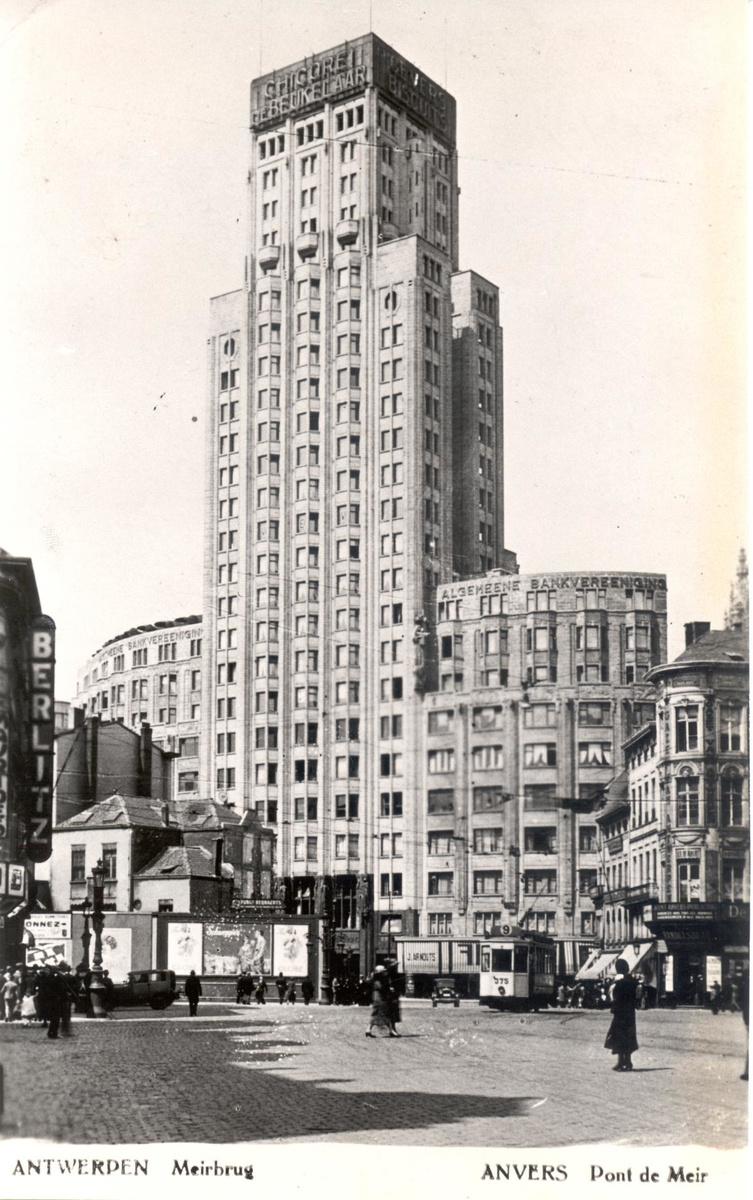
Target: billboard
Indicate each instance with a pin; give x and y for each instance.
(230, 949)
(48, 952)
(116, 953)
(184, 947)
(291, 950)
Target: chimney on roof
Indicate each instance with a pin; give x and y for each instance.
(165, 814)
(218, 857)
(695, 630)
(144, 777)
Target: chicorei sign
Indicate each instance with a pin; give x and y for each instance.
(339, 73)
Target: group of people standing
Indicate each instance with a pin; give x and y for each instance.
(286, 990)
(47, 995)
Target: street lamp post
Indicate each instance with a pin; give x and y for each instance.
(97, 987)
(86, 937)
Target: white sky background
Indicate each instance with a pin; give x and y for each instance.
(602, 175)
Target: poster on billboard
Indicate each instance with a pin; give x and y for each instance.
(47, 952)
(230, 949)
(184, 947)
(116, 953)
(291, 950)
(49, 926)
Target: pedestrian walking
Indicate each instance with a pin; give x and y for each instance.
(561, 995)
(108, 996)
(9, 995)
(380, 1004)
(336, 990)
(307, 991)
(55, 1002)
(67, 996)
(290, 995)
(261, 991)
(715, 998)
(192, 989)
(393, 996)
(281, 986)
(621, 1038)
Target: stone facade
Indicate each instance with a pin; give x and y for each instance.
(151, 675)
(354, 394)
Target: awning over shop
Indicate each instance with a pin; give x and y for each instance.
(636, 954)
(599, 967)
(570, 954)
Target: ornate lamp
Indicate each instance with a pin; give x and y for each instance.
(97, 987)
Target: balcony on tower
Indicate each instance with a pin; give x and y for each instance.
(268, 257)
(346, 232)
(306, 245)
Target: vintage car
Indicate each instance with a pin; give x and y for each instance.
(155, 988)
(443, 991)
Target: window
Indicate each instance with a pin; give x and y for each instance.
(487, 883)
(594, 713)
(488, 799)
(595, 754)
(110, 862)
(188, 781)
(688, 880)
(540, 754)
(686, 728)
(732, 798)
(440, 841)
(440, 883)
(441, 761)
(487, 718)
(587, 839)
(587, 879)
(164, 906)
(487, 841)
(487, 758)
(540, 839)
(440, 800)
(539, 716)
(440, 924)
(730, 727)
(688, 809)
(733, 879)
(540, 883)
(78, 864)
(440, 721)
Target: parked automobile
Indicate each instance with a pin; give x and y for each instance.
(444, 992)
(155, 988)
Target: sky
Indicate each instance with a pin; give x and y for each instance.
(601, 166)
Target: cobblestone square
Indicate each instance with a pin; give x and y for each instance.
(465, 1077)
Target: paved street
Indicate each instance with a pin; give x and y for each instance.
(464, 1076)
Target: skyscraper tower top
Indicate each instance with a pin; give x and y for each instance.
(344, 71)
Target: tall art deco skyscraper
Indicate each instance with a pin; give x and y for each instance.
(354, 463)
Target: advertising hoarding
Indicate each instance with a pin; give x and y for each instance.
(185, 946)
(291, 950)
(230, 949)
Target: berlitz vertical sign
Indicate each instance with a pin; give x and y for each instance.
(42, 741)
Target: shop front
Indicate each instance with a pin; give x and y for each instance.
(706, 943)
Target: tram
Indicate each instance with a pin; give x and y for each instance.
(517, 971)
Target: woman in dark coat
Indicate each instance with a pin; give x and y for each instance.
(621, 1038)
(381, 1016)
